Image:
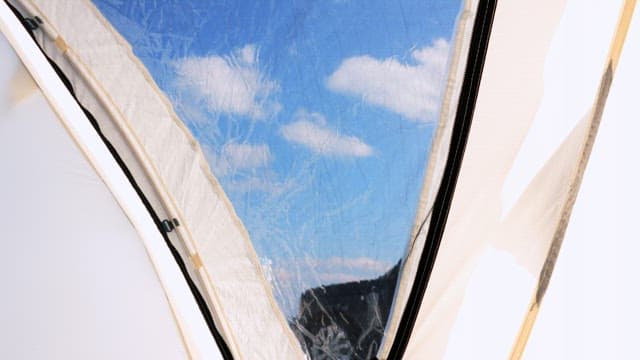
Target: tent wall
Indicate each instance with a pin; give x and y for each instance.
(590, 310)
(539, 74)
(85, 272)
(170, 167)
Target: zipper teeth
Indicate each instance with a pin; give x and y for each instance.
(464, 113)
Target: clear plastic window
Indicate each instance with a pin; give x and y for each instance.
(317, 119)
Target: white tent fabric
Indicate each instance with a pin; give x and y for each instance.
(175, 174)
(85, 272)
(486, 242)
(590, 310)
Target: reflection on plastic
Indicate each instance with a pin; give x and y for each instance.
(346, 321)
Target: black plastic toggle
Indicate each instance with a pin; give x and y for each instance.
(169, 225)
(33, 23)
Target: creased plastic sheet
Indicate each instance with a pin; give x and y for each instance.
(316, 118)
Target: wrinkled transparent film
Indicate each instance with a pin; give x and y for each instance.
(317, 119)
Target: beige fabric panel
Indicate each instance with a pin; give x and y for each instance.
(435, 168)
(163, 150)
(491, 255)
(504, 111)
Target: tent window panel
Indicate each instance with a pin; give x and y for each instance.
(317, 119)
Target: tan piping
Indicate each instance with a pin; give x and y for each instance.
(61, 44)
(196, 260)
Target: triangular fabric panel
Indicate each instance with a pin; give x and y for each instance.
(531, 110)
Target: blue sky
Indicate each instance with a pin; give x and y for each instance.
(316, 116)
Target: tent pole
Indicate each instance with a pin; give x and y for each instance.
(615, 50)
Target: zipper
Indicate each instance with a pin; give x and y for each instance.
(462, 125)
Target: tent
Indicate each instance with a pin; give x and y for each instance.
(197, 180)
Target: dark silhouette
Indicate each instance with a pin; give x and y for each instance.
(346, 321)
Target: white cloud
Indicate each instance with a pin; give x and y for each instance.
(310, 130)
(230, 84)
(235, 157)
(412, 90)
